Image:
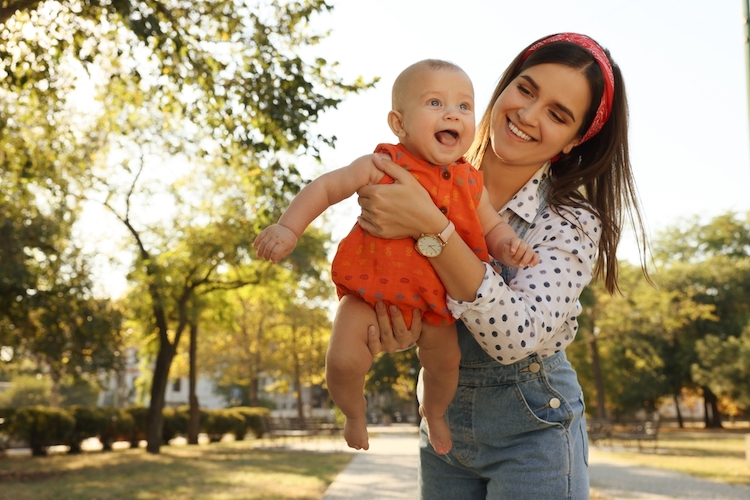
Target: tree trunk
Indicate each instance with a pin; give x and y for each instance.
(298, 384)
(158, 390)
(252, 392)
(712, 415)
(254, 389)
(54, 397)
(596, 367)
(195, 412)
(680, 421)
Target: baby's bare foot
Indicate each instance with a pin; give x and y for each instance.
(438, 432)
(355, 433)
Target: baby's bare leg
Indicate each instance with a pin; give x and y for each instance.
(347, 362)
(440, 357)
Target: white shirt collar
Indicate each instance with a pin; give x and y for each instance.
(525, 203)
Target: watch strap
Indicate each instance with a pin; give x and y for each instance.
(447, 232)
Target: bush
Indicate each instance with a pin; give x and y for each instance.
(218, 422)
(256, 420)
(119, 425)
(89, 422)
(41, 427)
(175, 423)
(6, 415)
(140, 424)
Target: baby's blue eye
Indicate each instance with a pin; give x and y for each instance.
(434, 102)
(464, 106)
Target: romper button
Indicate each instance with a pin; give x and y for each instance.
(534, 367)
(444, 210)
(446, 175)
(554, 403)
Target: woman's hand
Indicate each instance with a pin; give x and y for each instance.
(393, 337)
(399, 210)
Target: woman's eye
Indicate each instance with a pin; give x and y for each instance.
(523, 89)
(556, 117)
(434, 102)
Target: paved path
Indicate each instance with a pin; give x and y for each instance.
(388, 470)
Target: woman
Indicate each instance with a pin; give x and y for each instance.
(552, 146)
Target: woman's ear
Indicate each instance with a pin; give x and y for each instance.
(569, 146)
(395, 121)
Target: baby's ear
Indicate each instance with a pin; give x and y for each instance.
(396, 123)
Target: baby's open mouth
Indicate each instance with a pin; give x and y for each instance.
(447, 137)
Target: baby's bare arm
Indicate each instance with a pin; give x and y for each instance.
(502, 242)
(278, 241)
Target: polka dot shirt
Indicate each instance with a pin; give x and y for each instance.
(537, 312)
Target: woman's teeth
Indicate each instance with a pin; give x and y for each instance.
(518, 132)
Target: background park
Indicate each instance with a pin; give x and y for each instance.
(144, 144)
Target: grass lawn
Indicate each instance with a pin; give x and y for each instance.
(720, 456)
(219, 471)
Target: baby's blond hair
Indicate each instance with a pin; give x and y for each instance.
(404, 78)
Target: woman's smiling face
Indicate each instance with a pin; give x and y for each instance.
(539, 114)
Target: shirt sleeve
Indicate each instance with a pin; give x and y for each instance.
(537, 311)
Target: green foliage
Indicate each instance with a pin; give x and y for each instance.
(6, 415)
(26, 390)
(89, 422)
(175, 421)
(222, 421)
(394, 374)
(81, 392)
(217, 86)
(139, 415)
(256, 421)
(656, 341)
(41, 427)
(724, 366)
(119, 426)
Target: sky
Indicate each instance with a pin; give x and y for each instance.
(683, 63)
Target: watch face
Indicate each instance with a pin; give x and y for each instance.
(429, 246)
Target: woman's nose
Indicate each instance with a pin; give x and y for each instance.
(528, 114)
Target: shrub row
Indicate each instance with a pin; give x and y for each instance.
(42, 426)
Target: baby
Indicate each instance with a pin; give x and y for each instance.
(433, 118)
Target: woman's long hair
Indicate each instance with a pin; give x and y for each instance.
(596, 174)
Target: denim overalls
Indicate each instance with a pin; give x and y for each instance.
(519, 430)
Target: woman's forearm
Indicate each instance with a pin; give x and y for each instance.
(459, 269)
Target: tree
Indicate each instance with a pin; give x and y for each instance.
(219, 84)
(711, 258)
(642, 339)
(724, 366)
(278, 328)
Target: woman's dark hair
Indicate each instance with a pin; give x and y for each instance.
(596, 173)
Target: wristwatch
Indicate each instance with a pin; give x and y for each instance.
(431, 245)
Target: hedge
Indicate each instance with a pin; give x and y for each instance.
(43, 426)
(257, 420)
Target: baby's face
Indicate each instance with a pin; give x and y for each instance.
(438, 115)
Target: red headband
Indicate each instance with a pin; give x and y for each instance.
(605, 106)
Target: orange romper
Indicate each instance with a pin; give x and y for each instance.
(392, 270)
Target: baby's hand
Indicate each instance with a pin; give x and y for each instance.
(517, 253)
(275, 242)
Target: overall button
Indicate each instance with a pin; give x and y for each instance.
(554, 403)
(444, 210)
(534, 367)
(446, 175)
